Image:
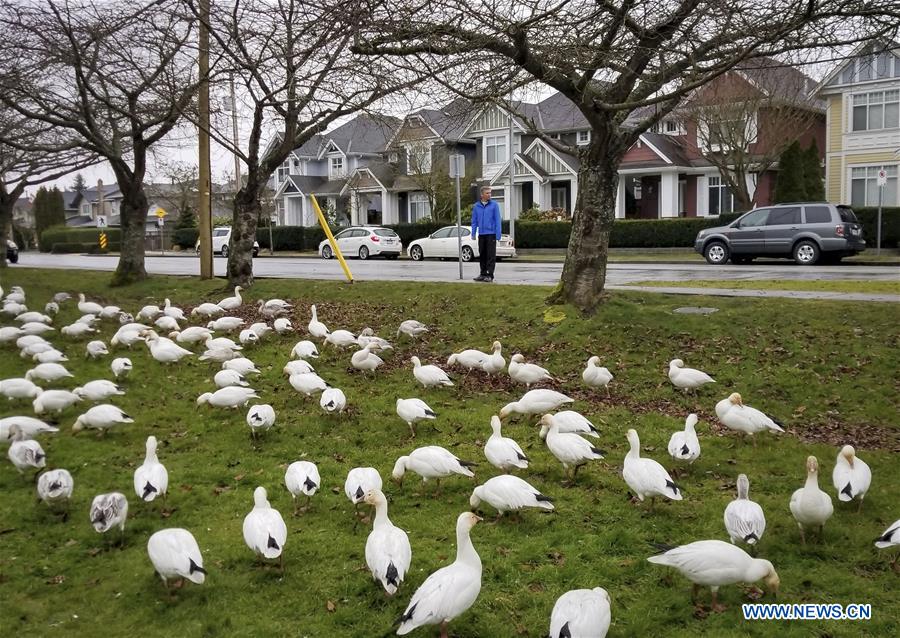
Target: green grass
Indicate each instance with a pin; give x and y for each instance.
(828, 369)
(822, 285)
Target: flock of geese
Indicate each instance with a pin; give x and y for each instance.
(450, 591)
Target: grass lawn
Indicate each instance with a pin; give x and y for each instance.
(828, 369)
(825, 285)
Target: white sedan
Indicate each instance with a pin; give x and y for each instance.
(364, 242)
(444, 243)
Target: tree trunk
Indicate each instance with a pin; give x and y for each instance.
(6, 215)
(133, 218)
(247, 209)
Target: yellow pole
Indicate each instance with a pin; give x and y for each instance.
(334, 246)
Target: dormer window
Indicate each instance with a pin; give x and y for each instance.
(393, 158)
(335, 168)
(418, 158)
(584, 137)
(669, 127)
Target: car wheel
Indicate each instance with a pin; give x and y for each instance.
(467, 254)
(716, 253)
(363, 253)
(14, 259)
(416, 253)
(225, 251)
(806, 253)
(256, 252)
(326, 252)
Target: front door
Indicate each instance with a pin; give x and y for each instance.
(749, 236)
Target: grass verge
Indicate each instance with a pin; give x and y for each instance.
(822, 285)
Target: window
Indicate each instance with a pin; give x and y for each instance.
(335, 168)
(344, 234)
(784, 216)
(494, 149)
(669, 127)
(393, 158)
(721, 199)
(553, 136)
(419, 207)
(583, 137)
(877, 110)
(847, 215)
(755, 218)
(559, 197)
(817, 214)
(385, 232)
(282, 172)
(864, 186)
(443, 233)
(418, 158)
(223, 232)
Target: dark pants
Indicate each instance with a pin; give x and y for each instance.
(487, 254)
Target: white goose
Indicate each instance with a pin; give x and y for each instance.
(96, 349)
(307, 384)
(151, 479)
(596, 376)
(569, 449)
(536, 402)
(88, 307)
(210, 310)
(230, 397)
(431, 462)
(469, 359)
(29, 426)
(502, 452)
(241, 365)
(54, 401)
(108, 511)
(225, 324)
(810, 506)
(359, 481)
(226, 378)
(127, 336)
(175, 554)
(260, 329)
(451, 590)
(24, 453)
(412, 328)
(365, 359)
(581, 613)
(264, 530)
(507, 493)
(413, 411)
(298, 366)
(429, 375)
(684, 444)
(27, 317)
(121, 367)
(341, 338)
(101, 417)
(19, 389)
(164, 349)
(221, 343)
(333, 400)
(494, 362)
(50, 356)
(716, 563)
(51, 308)
(149, 312)
(744, 519)
(110, 312)
(8, 333)
(316, 328)
(367, 336)
(167, 323)
(260, 417)
(77, 329)
(48, 372)
(646, 477)
(248, 337)
(305, 350)
(219, 355)
(98, 390)
(171, 311)
(388, 552)
(687, 378)
(55, 488)
(302, 477)
(192, 334)
(572, 421)
(527, 373)
(36, 328)
(232, 303)
(274, 307)
(890, 538)
(282, 326)
(734, 415)
(851, 476)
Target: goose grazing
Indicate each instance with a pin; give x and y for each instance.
(851, 476)
(9, 333)
(192, 334)
(302, 477)
(19, 389)
(264, 530)
(341, 338)
(431, 462)
(165, 350)
(171, 311)
(412, 411)
(282, 326)
(297, 366)
(248, 337)
(61, 297)
(232, 303)
(35, 348)
(221, 343)
(110, 312)
(526, 373)
(120, 367)
(536, 402)
(54, 401)
(96, 349)
(23, 340)
(429, 375)
(219, 355)
(451, 590)
(209, 310)
(151, 479)
(149, 312)
(503, 452)
(574, 422)
(230, 397)
(581, 613)
(13, 308)
(596, 376)
(29, 426)
(274, 308)
(333, 400)
(307, 384)
(37, 328)
(367, 336)
(687, 378)
(77, 329)
(716, 563)
(55, 488)
(507, 493)
(359, 481)
(569, 449)
(734, 415)
(108, 511)
(167, 323)
(260, 329)
(225, 324)
(305, 350)
(744, 519)
(494, 362)
(127, 336)
(101, 417)
(98, 390)
(646, 477)
(175, 554)
(468, 359)
(48, 372)
(27, 317)
(88, 307)
(684, 444)
(388, 552)
(316, 328)
(227, 378)
(890, 538)
(50, 356)
(365, 360)
(412, 328)
(260, 417)
(24, 453)
(811, 506)
(241, 365)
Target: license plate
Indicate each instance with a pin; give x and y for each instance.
(854, 231)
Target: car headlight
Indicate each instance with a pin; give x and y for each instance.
(701, 234)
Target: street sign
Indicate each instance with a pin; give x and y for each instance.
(457, 165)
(882, 177)
(161, 213)
(101, 221)
(160, 221)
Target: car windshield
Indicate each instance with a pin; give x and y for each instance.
(220, 233)
(385, 232)
(847, 214)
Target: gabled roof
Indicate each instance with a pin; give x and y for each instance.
(364, 134)
(866, 48)
(300, 184)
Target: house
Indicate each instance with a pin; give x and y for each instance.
(23, 213)
(863, 126)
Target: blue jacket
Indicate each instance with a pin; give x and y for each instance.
(486, 218)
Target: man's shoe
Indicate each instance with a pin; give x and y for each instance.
(488, 280)
(479, 278)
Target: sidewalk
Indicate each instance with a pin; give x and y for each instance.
(786, 294)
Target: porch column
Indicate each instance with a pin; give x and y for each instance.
(620, 198)
(668, 195)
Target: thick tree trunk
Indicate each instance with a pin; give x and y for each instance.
(6, 215)
(133, 217)
(247, 209)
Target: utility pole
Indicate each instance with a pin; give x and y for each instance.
(234, 131)
(512, 172)
(204, 210)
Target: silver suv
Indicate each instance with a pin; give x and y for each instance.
(806, 232)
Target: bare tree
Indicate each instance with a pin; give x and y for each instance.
(611, 59)
(116, 75)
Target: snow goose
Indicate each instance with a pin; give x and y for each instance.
(192, 334)
(28, 317)
(248, 337)
(412, 411)
(734, 415)
(234, 302)
(264, 530)
(55, 488)
(225, 324)
(260, 329)
(282, 326)
(96, 349)
(581, 613)
(302, 477)
(494, 362)
(469, 359)
(151, 479)
(507, 493)
(333, 400)
(431, 462)
(451, 590)
(86, 307)
(297, 366)
(341, 338)
(571, 421)
(51, 308)
(307, 384)
(108, 511)
(149, 312)
(230, 397)
(596, 376)
(39, 347)
(50, 356)
(274, 307)
(121, 367)
(359, 481)
(9, 333)
(226, 378)
(175, 313)
(851, 476)
(61, 297)
(167, 323)
(716, 563)
(98, 390)
(412, 328)
(367, 335)
(890, 538)
(29, 426)
(687, 378)
(223, 343)
(36, 328)
(260, 417)
(241, 365)
(165, 350)
(24, 340)
(219, 355)
(429, 375)
(646, 477)
(209, 310)
(365, 359)
(810, 506)
(536, 402)
(175, 554)
(126, 317)
(684, 444)
(305, 350)
(24, 453)
(48, 372)
(316, 328)
(54, 401)
(502, 452)
(744, 519)
(13, 308)
(110, 312)
(526, 373)
(569, 449)
(101, 417)
(127, 336)
(388, 552)
(77, 329)
(19, 389)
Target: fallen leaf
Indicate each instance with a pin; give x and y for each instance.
(330, 606)
(238, 477)
(56, 580)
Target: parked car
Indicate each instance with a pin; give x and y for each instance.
(806, 232)
(444, 243)
(221, 238)
(364, 242)
(12, 251)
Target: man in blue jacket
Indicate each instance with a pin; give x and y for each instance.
(486, 225)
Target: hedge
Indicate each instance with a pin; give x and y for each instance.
(66, 235)
(890, 225)
(185, 238)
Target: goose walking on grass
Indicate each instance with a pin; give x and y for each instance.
(260, 418)
(365, 359)
(429, 376)
(716, 563)
(297, 366)
(333, 400)
(569, 449)
(810, 506)
(50, 356)
(273, 308)
(175, 554)
(76, 329)
(388, 552)
(502, 452)
(307, 384)
(494, 362)
(19, 389)
(29, 426)
(210, 310)
(86, 307)
(241, 365)
(166, 323)
(164, 349)
(121, 367)
(581, 613)
(151, 479)
(36, 328)
(507, 493)
(96, 349)
(55, 488)
(851, 476)
(451, 590)
(412, 328)
(174, 312)
(412, 411)
(192, 334)
(282, 326)
(536, 402)
(98, 390)
(316, 328)
(890, 538)
(431, 462)
(248, 337)
(232, 303)
(575, 422)
(527, 373)
(360, 480)
(734, 415)
(684, 444)
(149, 312)
(302, 477)
(54, 401)
(101, 417)
(367, 336)
(646, 477)
(341, 338)
(227, 378)
(109, 511)
(687, 378)
(264, 530)
(49, 372)
(24, 453)
(305, 350)
(225, 324)
(260, 329)
(468, 359)
(744, 519)
(231, 397)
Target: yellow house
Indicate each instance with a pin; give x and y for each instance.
(863, 126)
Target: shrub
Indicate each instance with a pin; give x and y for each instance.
(185, 238)
(66, 235)
(890, 225)
(71, 247)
